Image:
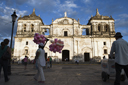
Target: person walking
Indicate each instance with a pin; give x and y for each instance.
(120, 47)
(18, 62)
(77, 61)
(50, 61)
(104, 57)
(4, 49)
(25, 62)
(40, 63)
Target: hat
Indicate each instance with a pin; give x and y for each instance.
(41, 44)
(118, 34)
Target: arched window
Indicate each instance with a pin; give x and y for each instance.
(32, 28)
(26, 42)
(24, 28)
(65, 33)
(106, 28)
(104, 43)
(99, 27)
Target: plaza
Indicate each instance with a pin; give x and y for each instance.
(60, 74)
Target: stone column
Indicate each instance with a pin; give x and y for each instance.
(113, 27)
(93, 27)
(29, 27)
(102, 27)
(110, 27)
(96, 27)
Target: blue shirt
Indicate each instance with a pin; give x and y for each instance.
(120, 47)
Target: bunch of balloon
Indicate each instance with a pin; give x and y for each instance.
(39, 38)
(56, 46)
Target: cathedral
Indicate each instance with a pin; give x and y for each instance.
(97, 42)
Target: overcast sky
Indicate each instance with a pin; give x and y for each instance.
(53, 9)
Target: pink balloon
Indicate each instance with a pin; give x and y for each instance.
(59, 51)
(55, 49)
(42, 36)
(36, 34)
(50, 49)
(43, 39)
(55, 40)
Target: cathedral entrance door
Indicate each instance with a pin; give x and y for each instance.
(45, 56)
(86, 56)
(65, 55)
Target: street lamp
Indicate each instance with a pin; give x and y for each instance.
(14, 16)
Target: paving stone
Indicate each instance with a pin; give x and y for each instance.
(59, 74)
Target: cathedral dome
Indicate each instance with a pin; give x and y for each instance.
(32, 16)
(100, 17)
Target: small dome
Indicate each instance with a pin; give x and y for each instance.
(33, 16)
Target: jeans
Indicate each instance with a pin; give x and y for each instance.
(4, 65)
(118, 72)
(50, 63)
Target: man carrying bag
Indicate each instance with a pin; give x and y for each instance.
(5, 55)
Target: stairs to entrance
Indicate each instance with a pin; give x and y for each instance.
(71, 62)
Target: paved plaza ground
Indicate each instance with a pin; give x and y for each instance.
(60, 74)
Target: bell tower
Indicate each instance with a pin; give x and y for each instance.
(102, 26)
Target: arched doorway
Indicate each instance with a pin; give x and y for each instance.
(46, 56)
(65, 54)
(86, 56)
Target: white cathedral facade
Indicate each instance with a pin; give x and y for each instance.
(96, 43)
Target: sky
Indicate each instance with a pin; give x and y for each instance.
(53, 9)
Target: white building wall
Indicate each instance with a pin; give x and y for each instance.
(74, 42)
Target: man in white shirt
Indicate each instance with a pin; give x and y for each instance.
(120, 47)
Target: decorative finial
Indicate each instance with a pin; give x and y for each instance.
(91, 15)
(39, 15)
(78, 19)
(34, 10)
(97, 12)
(110, 16)
(20, 15)
(65, 14)
(52, 19)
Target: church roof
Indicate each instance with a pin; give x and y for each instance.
(65, 20)
(32, 16)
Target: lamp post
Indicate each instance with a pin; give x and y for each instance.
(14, 16)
